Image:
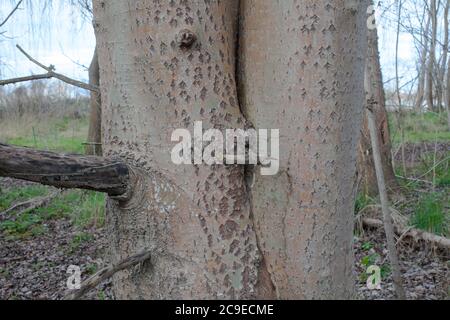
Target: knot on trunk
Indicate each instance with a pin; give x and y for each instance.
(186, 39)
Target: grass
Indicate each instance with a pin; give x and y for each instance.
(84, 208)
(7, 199)
(362, 201)
(420, 127)
(62, 135)
(431, 215)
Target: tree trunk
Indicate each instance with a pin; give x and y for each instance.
(165, 65)
(302, 70)
(442, 67)
(447, 101)
(445, 55)
(422, 68)
(366, 166)
(94, 140)
(432, 57)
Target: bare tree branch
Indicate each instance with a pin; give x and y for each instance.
(11, 13)
(52, 74)
(65, 171)
(107, 273)
(24, 79)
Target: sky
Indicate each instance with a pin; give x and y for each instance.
(63, 37)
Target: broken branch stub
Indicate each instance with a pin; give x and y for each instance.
(110, 176)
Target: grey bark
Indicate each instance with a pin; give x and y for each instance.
(302, 70)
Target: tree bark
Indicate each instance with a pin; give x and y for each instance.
(302, 70)
(65, 171)
(94, 139)
(164, 65)
(375, 92)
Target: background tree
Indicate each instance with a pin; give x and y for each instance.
(366, 167)
(432, 55)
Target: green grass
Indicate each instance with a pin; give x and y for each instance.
(16, 195)
(431, 214)
(84, 208)
(72, 145)
(420, 127)
(440, 175)
(27, 224)
(61, 135)
(362, 201)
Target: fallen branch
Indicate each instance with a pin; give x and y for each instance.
(50, 74)
(417, 235)
(32, 204)
(107, 273)
(65, 171)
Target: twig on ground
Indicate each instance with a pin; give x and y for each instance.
(32, 204)
(107, 273)
(415, 234)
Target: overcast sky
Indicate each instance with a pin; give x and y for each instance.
(64, 38)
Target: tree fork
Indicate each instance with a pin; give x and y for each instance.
(110, 176)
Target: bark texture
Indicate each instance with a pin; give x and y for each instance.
(94, 139)
(302, 71)
(375, 93)
(157, 77)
